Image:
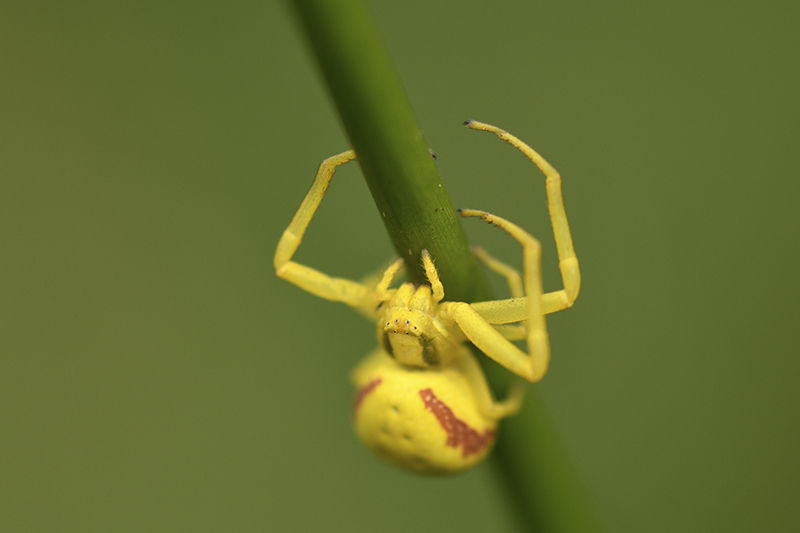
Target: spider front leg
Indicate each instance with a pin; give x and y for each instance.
(350, 292)
(567, 260)
(476, 320)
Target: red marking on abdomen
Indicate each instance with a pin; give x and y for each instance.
(362, 393)
(458, 432)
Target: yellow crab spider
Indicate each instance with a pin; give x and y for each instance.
(423, 402)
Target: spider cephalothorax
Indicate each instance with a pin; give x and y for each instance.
(411, 333)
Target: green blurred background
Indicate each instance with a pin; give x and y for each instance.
(155, 375)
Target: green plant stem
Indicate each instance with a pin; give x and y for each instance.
(533, 470)
(389, 145)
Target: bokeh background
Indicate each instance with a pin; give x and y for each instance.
(156, 376)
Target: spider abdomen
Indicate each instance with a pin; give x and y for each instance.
(424, 420)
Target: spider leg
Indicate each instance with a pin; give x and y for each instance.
(497, 311)
(490, 407)
(567, 261)
(511, 274)
(336, 289)
(478, 329)
(503, 313)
